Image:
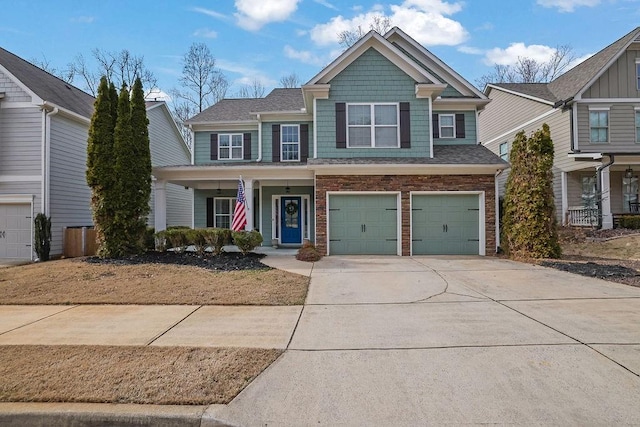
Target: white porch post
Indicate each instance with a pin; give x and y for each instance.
(248, 194)
(607, 217)
(160, 204)
(565, 198)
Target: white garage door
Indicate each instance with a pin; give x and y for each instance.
(15, 231)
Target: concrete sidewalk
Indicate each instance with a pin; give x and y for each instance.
(386, 341)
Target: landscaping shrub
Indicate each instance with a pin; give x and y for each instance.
(308, 252)
(217, 238)
(246, 241)
(149, 241)
(630, 221)
(177, 239)
(42, 230)
(161, 241)
(197, 238)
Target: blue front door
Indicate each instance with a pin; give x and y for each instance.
(290, 223)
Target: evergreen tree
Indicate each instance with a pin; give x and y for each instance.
(529, 226)
(100, 172)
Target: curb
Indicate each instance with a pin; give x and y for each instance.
(105, 414)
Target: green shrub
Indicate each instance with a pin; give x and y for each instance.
(42, 231)
(197, 238)
(217, 238)
(178, 227)
(308, 252)
(630, 221)
(161, 241)
(177, 239)
(148, 239)
(246, 241)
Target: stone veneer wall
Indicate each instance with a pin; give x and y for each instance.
(405, 184)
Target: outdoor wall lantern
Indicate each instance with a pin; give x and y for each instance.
(628, 173)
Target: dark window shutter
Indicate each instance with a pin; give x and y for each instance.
(247, 146)
(304, 142)
(459, 125)
(209, 211)
(214, 146)
(275, 143)
(436, 125)
(341, 125)
(405, 125)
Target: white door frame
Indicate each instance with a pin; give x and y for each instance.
(370, 193)
(481, 214)
(275, 216)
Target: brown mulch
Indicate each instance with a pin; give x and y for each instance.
(151, 375)
(76, 281)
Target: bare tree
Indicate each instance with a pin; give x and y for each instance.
(529, 70)
(119, 67)
(254, 90)
(66, 74)
(290, 81)
(380, 24)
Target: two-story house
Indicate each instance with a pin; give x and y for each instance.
(376, 154)
(44, 125)
(593, 111)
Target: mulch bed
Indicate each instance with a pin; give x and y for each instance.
(226, 261)
(592, 269)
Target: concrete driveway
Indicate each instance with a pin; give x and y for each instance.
(451, 340)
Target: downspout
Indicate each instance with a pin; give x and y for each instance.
(497, 201)
(46, 155)
(599, 170)
(259, 159)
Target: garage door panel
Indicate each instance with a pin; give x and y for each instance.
(15, 231)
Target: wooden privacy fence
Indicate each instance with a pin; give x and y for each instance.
(79, 241)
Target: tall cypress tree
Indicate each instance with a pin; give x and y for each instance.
(141, 181)
(529, 225)
(100, 171)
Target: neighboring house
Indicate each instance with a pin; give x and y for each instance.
(44, 125)
(376, 154)
(593, 111)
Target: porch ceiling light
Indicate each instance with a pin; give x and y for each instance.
(628, 173)
(287, 189)
(218, 191)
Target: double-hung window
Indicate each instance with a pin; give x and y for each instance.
(447, 123)
(373, 125)
(599, 125)
(504, 151)
(223, 211)
(290, 143)
(589, 199)
(230, 146)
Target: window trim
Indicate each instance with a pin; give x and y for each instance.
(232, 205)
(373, 126)
(600, 109)
(231, 135)
(504, 156)
(453, 127)
(289, 143)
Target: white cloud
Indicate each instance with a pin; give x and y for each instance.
(568, 5)
(247, 74)
(206, 33)
(326, 4)
(211, 13)
(471, 50)
(254, 14)
(304, 56)
(510, 55)
(424, 20)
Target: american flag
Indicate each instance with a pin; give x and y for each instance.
(240, 211)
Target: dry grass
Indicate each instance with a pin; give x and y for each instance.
(156, 375)
(626, 248)
(73, 281)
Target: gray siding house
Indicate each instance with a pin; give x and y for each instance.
(593, 111)
(376, 154)
(44, 126)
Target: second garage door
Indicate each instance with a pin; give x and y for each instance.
(445, 224)
(363, 224)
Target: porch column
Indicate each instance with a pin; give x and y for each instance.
(565, 199)
(248, 194)
(160, 204)
(607, 217)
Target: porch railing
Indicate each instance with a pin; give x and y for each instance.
(582, 216)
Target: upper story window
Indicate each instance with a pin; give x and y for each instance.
(230, 146)
(290, 143)
(504, 151)
(447, 126)
(599, 125)
(372, 125)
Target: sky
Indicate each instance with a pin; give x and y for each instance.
(265, 40)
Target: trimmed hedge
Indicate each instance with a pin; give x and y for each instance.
(179, 238)
(246, 241)
(308, 252)
(630, 221)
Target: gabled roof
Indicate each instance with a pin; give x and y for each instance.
(46, 86)
(575, 81)
(239, 110)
